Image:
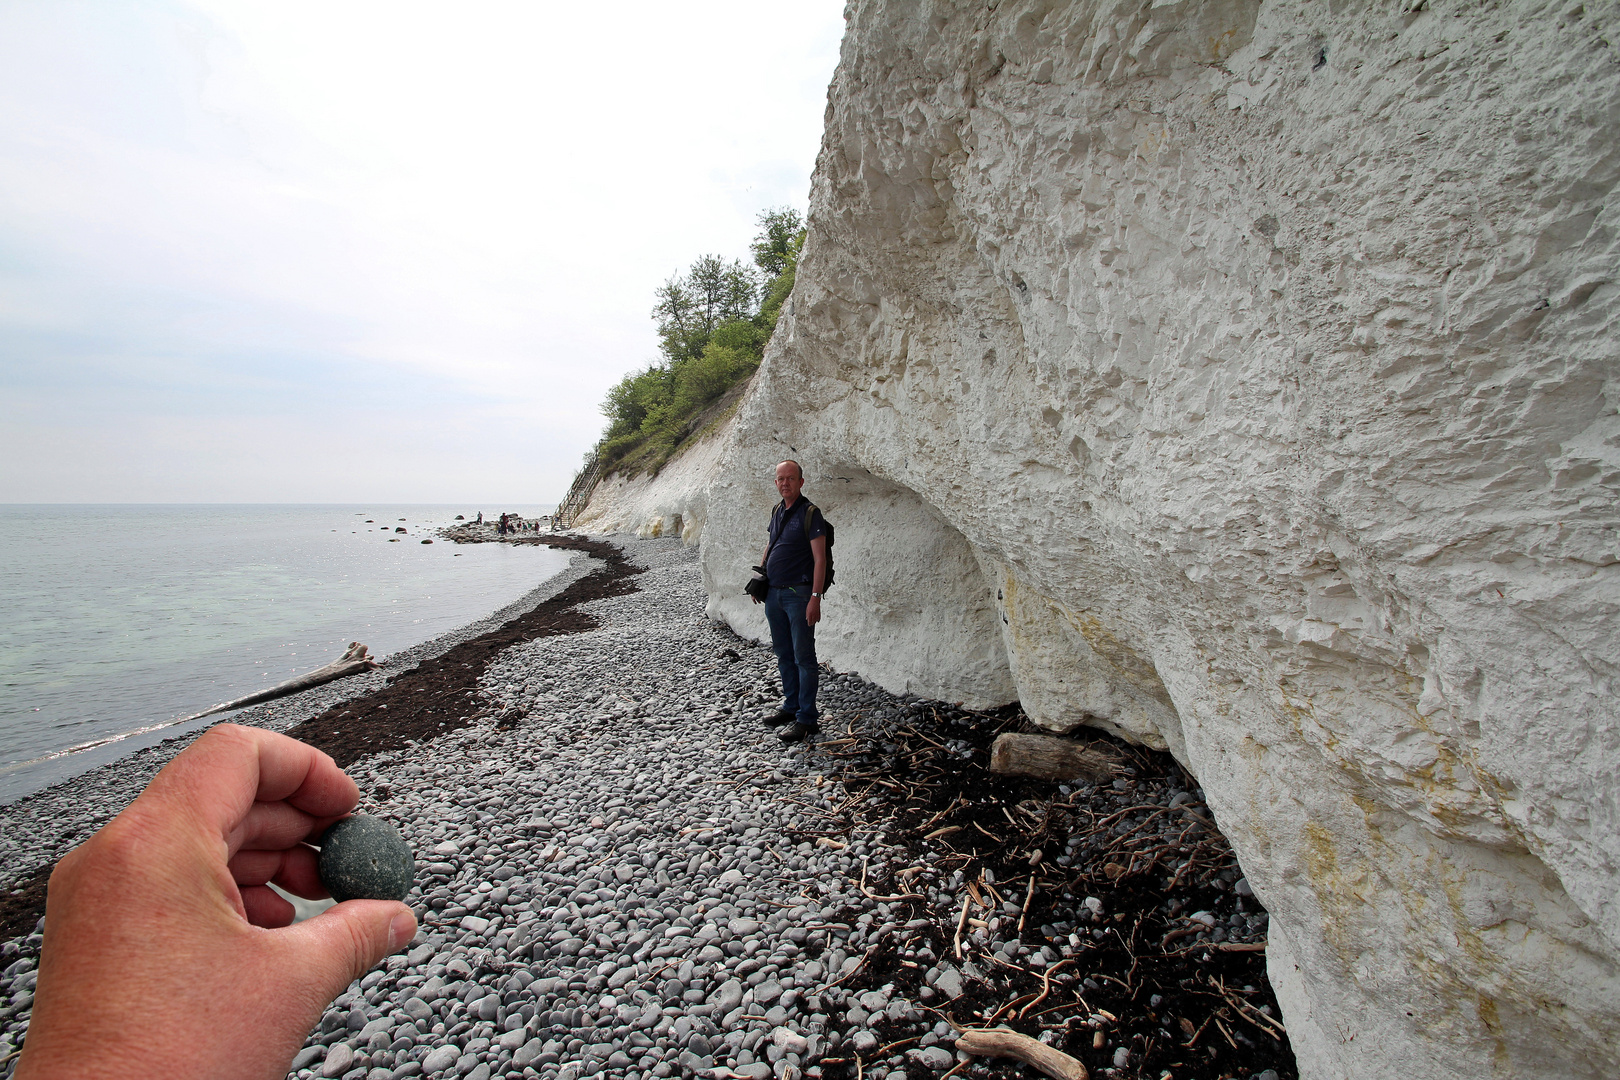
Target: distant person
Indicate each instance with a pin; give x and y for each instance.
(480, 517)
(155, 963)
(795, 561)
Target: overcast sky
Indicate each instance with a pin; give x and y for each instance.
(352, 250)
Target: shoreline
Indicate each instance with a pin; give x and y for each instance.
(42, 826)
(205, 609)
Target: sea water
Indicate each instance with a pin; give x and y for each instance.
(117, 620)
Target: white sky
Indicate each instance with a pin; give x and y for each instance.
(353, 251)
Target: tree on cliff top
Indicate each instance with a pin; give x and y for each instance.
(776, 248)
(713, 324)
(689, 308)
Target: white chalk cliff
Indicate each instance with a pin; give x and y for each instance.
(672, 502)
(1242, 378)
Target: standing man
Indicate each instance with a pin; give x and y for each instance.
(795, 561)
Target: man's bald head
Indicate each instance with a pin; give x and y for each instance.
(789, 480)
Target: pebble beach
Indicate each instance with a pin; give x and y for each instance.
(621, 873)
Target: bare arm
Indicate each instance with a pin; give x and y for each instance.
(818, 551)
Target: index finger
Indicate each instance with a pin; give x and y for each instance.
(217, 779)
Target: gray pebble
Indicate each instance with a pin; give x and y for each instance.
(364, 858)
(338, 1059)
(933, 1057)
(440, 1059)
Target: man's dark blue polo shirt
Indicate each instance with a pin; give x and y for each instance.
(791, 561)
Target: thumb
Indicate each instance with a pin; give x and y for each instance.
(343, 942)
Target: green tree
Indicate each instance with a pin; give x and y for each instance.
(713, 325)
(776, 248)
(689, 308)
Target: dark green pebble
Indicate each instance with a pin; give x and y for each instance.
(365, 858)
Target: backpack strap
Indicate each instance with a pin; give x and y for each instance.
(776, 528)
(778, 525)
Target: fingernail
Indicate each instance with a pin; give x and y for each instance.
(401, 930)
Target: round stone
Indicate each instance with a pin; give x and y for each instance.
(365, 858)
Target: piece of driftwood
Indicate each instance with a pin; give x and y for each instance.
(1046, 757)
(1005, 1042)
(352, 662)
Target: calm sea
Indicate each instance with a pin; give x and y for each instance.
(114, 619)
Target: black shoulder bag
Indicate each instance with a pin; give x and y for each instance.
(759, 586)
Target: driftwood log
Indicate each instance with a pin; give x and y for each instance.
(352, 662)
(1046, 757)
(1004, 1042)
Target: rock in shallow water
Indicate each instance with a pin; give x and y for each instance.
(365, 858)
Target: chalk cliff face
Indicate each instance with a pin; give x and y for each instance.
(672, 503)
(1241, 377)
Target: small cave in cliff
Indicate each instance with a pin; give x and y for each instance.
(1139, 951)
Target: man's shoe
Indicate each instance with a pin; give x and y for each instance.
(780, 717)
(797, 731)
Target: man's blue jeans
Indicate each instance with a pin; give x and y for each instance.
(794, 642)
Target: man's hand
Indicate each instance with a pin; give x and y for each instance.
(157, 958)
(812, 611)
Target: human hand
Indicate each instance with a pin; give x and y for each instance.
(812, 611)
(159, 958)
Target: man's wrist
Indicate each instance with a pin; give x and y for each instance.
(815, 596)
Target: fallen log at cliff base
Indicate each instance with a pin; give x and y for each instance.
(1004, 1042)
(1046, 757)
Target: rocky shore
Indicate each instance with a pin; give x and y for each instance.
(621, 873)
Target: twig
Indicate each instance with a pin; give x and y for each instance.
(1017, 1000)
(1046, 988)
(739, 783)
(961, 921)
(1029, 894)
(807, 806)
(1059, 1008)
(884, 899)
(1258, 1019)
(941, 814)
(854, 969)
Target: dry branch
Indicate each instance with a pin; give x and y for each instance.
(352, 662)
(1004, 1042)
(1046, 757)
